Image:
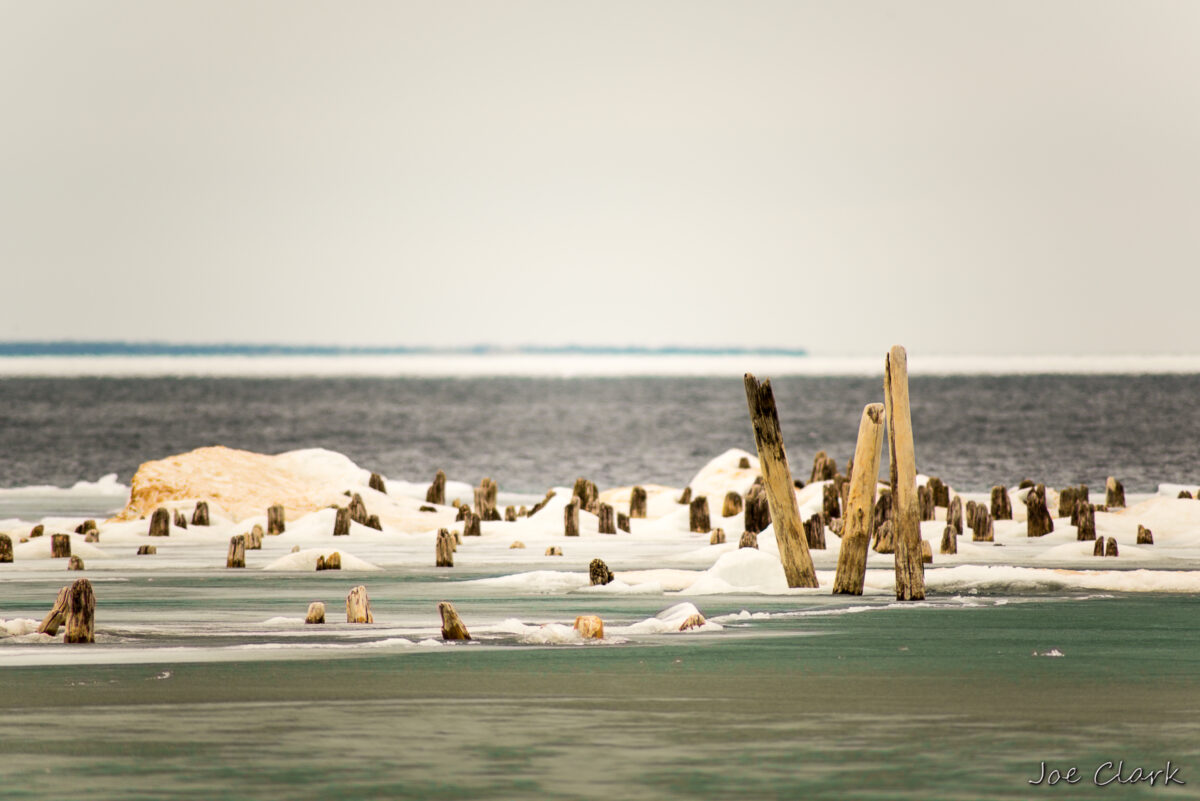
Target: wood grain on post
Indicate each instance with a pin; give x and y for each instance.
(717, 537)
(860, 507)
(910, 572)
(686, 497)
(1110, 547)
(444, 549)
(607, 520)
(981, 526)
(598, 573)
(1114, 494)
(1087, 522)
(358, 606)
(939, 491)
(1001, 505)
(54, 618)
(60, 546)
(237, 552)
(358, 510)
(316, 613)
(179, 520)
(830, 501)
(471, 525)
(698, 521)
(781, 494)
(757, 513)
(1144, 536)
(814, 532)
(376, 483)
(949, 540)
(954, 515)
(637, 502)
(1038, 522)
(749, 539)
(623, 522)
(81, 613)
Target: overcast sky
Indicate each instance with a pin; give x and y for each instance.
(959, 177)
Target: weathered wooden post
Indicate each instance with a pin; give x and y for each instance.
(924, 503)
(910, 572)
(374, 522)
(358, 606)
(341, 522)
(452, 626)
(1087, 522)
(717, 537)
(623, 522)
(444, 549)
(1098, 548)
(275, 519)
(1110, 547)
(883, 508)
(331, 562)
(732, 505)
(254, 538)
(926, 553)
(981, 526)
(830, 503)
(939, 491)
(749, 539)
(571, 518)
(147, 550)
(237, 552)
(316, 613)
(954, 515)
(179, 520)
(885, 537)
(6, 548)
(1001, 505)
(60, 546)
(200, 514)
(949, 540)
(698, 516)
(1144, 536)
(471, 525)
(587, 494)
(607, 525)
(824, 468)
(685, 498)
(814, 532)
(598, 573)
(437, 490)
(376, 483)
(637, 502)
(81, 613)
(160, 523)
(781, 493)
(74, 563)
(1038, 522)
(590, 627)
(757, 514)
(94, 536)
(54, 618)
(510, 514)
(1114, 494)
(358, 510)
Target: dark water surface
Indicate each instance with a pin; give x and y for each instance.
(918, 703)
(529, 433)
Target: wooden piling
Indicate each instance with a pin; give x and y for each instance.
(160, 523)
(1038, 521)
(254, 538)
(588, 495)
(358, 510)
(949, 540)
(237, 552)
(717, 537)
(623, 522)
(437, 490)
(637, 502)
(81, 613)
(510, 514)
(1086, 531)
(1098, 548)
(732, 505)
(814, 532)
(60, 546)
(698, 516)
(954, 515)
(685, 498)
(54, 618)
(924, 503)
(1001, 505)
(756, 514)
(376, 483)
(606, 518)
(830, 503)
(1144, 536)
(981, 526)
(275, 520)
(910, 572)
(939, 491)
(860, 507)
(824, 468)
(885, 538)
(1110, 547)
(781, 495)
(571, 518)
(341, 522)
(200, 514)
(471, 525)
(1114, 494)
(452, 626)
(358, 606)
(444, 549)
(147, 550)
(74, 563)
(6, 549)
(316, 613)
(749, 539)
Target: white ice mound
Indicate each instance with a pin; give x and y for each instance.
(548, 634)
(307, 560)
(723, 475)
(1005, 577)
(743, 570)
(669, 620)
(542, 582)
(17, 627)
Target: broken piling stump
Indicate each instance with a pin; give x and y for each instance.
(637, 502)
(587, 494)
(376, 483)
(1038, 521)
(471, 525)
(331, 562)
(571, 518)
(981, 526)
(60, 546)
(452, 626)
(254, 538)
(910, 572)
(1098, 548)
(598, 573)
(374, 522)
(823, 469)
(237, 552)
(717, 537)
(81, 613)
(732, 505)
(939, 491)
(590, 627)
(607, 525)
(830, 503)
(554, 550)
(814, 532)
(341, 522)
(444, 549)
(275, 520)
(623, 522)
(1114, 494)
(160, 523)
(885, 538)
(698, 521)
(757, 512)
(316, 613)
(924, 503)
(949, 540)
(926, 553)
(54, 618)
(74, 563)
(358, 510)
(437, 490)
(685, 498)
(1144, 536)
(147, 550)
(781, 495)
(200, 514)
(358, 606)
(749, 539)
(6, 548)
(1110, 547)
(1087, 522)
(1001, 505)
(510, 514)
(179, 520)
(954, 515)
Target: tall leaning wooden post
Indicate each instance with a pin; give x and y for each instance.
(910, 571)
(781, 492)
(860, 511)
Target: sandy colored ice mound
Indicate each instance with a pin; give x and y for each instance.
(244, 484)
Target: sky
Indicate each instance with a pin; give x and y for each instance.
(958, 177)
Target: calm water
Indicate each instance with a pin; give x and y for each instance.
(531, 433)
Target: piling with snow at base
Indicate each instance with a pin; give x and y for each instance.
(1114, 494)
(60, 546)
(910, 572)
(698, 521)
(81, 613)
(275, 520)
(452, 626)
(444, 549)
(607, 523)
(160, 523)
(571, 518)
(437, 490)
(732, 505)
(341, 522)
(1001, 505)
(860, 506)
(358, 606)
(637, 502)
(237, 552)
(1038, 522)
(200, 514)
(781, 493)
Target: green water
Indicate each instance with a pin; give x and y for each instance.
(927, 703)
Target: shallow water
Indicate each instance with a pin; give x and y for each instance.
(922, 703)
(530, 433)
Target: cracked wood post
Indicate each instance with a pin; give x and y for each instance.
(1001, 506)
(637, 502)
(376, 483)
(860, 510)
(81, 613)
(571, 518)
(698, 521)
(60, 546)
(444, 549)
(910, 572)
(200, 514)
(275, 519)
(781, 493)
(452, 626)
(54, 618)
(732, 505)
(606, 521)
(160, 523)
(237, 552)
(358, 606)
(341, 522)
(1114, 494)
(437, 489)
